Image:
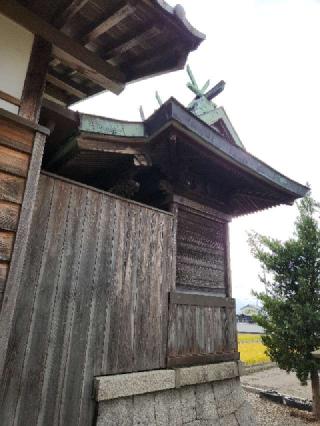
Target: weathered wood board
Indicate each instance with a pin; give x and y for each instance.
(201, 251)
(200, 333)
(93, 301)
(16, 143)
(202, 319)
(3, 276)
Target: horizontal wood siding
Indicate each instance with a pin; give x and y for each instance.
(3, 276)
(6, 245)
(11, 188)
(16, 142)
(200, 334)
(201, 251)
(94, 301)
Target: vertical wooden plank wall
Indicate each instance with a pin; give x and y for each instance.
(202, 316)
(202, 329)
(93, 301)
(16, 144)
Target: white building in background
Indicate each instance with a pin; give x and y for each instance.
(245, 322)
(249, 310)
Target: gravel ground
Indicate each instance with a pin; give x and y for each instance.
(269, 413)
(278, 380)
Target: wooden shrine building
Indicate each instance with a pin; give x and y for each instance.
(116, 305)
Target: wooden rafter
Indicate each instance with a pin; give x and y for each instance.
(140, 40)
(159, 63)
(54, 62)
(69, 12)
(66, 49)
(54, 93)
(66, 86)
(115, 147)
(67, 113)
(108, 23)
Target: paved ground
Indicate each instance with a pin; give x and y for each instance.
(270, 414)
(278, 380)
(245, 327)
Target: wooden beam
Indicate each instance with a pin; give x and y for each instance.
(54, 62)
(66, 87)
(6, 115)
(108, 23)
(8, 98)
(115, 147)
(93, 72)
(198, 359)
(168, 58)
(69, 12)
(64, 112)
(65, 48)
(140, 40)
(180, 298)
(57, 95)
(35, 81)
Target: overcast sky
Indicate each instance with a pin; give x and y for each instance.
(268, 53)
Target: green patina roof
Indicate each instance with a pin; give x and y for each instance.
(202, 107)
(109, 126)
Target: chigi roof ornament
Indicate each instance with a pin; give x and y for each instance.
(204, 108)
(202, 102)
(212, 93)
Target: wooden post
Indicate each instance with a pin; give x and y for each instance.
(315, 393)
(21, 159)
(228, 283)
(35, 81)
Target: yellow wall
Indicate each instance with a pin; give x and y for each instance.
(15, 49)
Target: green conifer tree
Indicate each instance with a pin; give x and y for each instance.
(290, 311)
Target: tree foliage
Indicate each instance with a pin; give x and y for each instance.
(290, 311)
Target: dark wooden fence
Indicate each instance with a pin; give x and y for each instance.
(93, 301)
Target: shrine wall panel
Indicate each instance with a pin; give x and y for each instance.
(93, 301)
(202, 329)
(201, 252)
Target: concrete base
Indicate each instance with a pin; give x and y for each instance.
(220, 402)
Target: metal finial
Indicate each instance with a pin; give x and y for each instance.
(142, 113)
(193, 86)
(159, 99)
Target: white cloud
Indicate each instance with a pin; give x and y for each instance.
(268, 53)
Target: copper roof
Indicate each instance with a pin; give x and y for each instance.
(211, 167)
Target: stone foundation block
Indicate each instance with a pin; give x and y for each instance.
(209, 395)
(206, 373)
(121, 385)
(196, 405)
